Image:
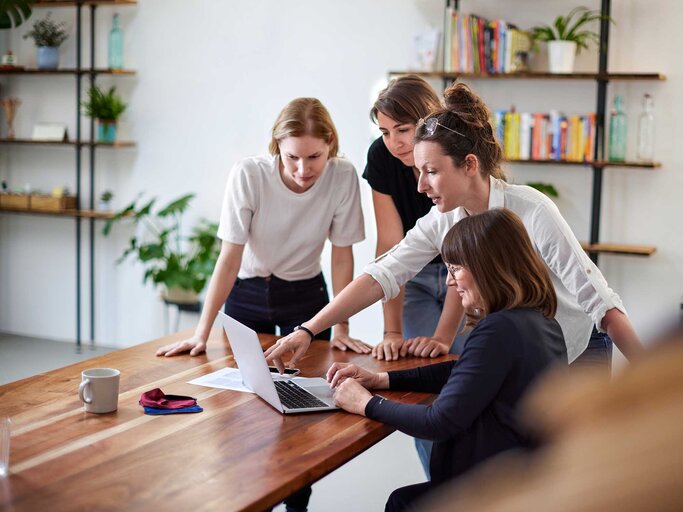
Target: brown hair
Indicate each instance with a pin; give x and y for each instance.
(466, 113)
(406, 99)
(495, 247)
(304, 116)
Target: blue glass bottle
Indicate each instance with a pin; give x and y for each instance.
(116, 45)
(617, 131)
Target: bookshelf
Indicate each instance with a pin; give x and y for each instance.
(81, 212)
(597, 166)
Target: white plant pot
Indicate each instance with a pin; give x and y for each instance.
(561, 56)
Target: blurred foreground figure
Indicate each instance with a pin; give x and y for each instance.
(610, 446)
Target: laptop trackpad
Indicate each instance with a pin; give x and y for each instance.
(317, 386)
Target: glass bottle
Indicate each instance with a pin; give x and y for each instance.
(646, 131)
(116, 45)
(617, 131)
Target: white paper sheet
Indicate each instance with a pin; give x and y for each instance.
(227, 378)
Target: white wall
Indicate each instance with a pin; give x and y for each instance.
(212, 76)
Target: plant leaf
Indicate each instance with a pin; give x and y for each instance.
(177, 206)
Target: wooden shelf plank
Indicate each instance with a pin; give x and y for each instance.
(536, 75)
(71, 3)
(597, 163)
(630, 250)
(70, 143)
(90, 214)
(66, 71)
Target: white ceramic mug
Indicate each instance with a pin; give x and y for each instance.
(99, 389)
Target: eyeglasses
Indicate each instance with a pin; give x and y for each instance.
(431, 124)
(452, 269)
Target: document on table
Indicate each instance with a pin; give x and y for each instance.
(227, 378)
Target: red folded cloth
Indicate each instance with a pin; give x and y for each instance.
(157, 399)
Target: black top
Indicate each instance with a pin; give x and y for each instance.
(388, 175)
(474, 416)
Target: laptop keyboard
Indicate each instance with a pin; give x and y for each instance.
(295, 397)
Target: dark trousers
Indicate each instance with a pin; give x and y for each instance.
(264, 303)
(404, 498)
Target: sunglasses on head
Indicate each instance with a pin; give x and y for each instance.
(431, 124)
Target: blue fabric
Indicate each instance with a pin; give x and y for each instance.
(474, 414)
(598, 353)
(264, 303)
(155, 411)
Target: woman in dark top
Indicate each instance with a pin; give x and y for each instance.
(416, 313)
(508, 296)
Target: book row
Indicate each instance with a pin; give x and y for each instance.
(473, 44)
(541, 136)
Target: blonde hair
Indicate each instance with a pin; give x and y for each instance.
(304, 116)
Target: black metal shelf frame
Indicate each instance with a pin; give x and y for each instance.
(602, 79)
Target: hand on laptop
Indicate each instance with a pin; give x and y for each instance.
(339, 372)
(195, 345)
(296, 342)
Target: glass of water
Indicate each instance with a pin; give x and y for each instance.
(5, 424)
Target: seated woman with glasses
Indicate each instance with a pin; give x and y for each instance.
(278, 211)
(507, 294)
(416, 314)
(459, 161)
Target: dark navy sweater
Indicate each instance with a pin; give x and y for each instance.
(474, 416)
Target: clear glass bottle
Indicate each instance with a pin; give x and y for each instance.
(617, 131)
(646, 131)
(116, 45)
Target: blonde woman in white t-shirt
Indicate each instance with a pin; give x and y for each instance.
(277, 212)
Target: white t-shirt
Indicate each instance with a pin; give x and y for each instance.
(284, 231)
(583, 296)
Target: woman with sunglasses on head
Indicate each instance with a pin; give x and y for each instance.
(459, 161)
(278, 211)
(415, 314)
(507, 294)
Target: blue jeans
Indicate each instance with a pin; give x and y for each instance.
(422, 305)
(598, 353)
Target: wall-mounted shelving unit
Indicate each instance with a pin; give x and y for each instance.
(602, 78)
(78, 143)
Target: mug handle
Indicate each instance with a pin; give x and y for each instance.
(81, 392)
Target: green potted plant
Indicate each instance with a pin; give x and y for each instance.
(104, 204)
(567, 36)
(181, 264)
(48, 35)
(14, 12)
(106, 107)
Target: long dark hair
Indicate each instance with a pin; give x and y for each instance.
(495, 247)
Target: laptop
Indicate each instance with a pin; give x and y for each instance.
(286, 394)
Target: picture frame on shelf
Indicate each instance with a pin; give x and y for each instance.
(51, 132)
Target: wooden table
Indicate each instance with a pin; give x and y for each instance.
(239, 454)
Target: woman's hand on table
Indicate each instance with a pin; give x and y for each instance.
(391, 347)
(425, 346)
(195, 345)
(351, 396)
(345, 342)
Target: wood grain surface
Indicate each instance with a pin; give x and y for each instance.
(239, 454)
